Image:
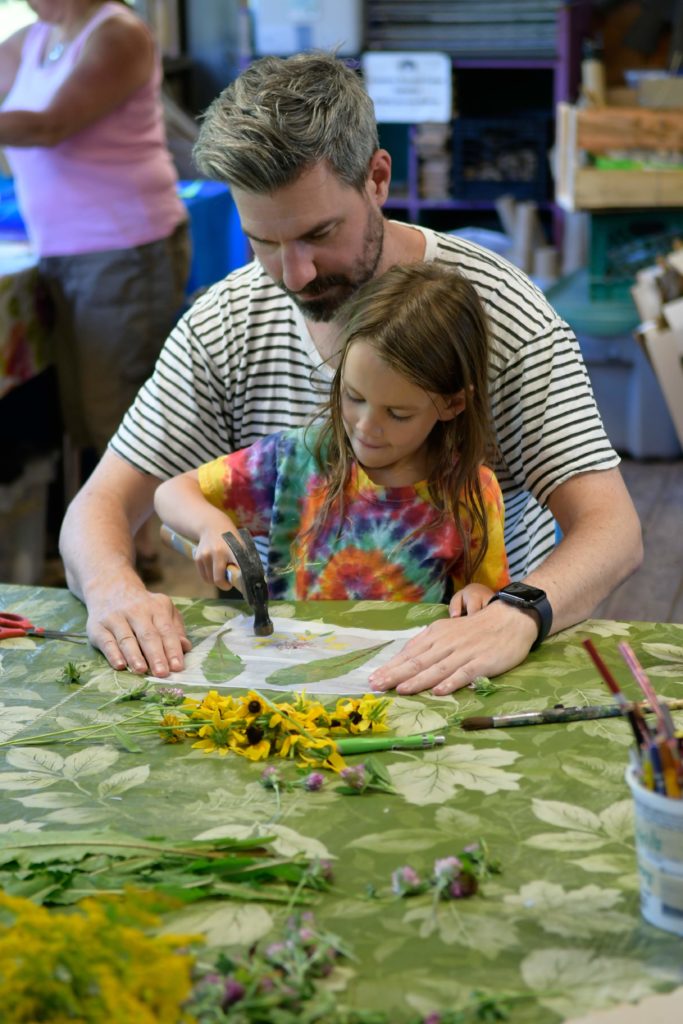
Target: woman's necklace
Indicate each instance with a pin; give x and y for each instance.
(55, 52)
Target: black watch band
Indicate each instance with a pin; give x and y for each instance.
(528, 598)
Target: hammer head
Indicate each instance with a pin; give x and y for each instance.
(253, 578)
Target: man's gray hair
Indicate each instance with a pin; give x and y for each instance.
(282, 116)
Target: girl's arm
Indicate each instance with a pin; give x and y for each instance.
(472, 598)
(492, 573)
(180, 504)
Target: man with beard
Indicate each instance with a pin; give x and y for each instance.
(296, 140)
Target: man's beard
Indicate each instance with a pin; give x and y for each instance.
(342, 286)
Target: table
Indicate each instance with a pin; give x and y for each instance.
(559, 926)
(24, 316)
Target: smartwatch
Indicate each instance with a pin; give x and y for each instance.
(530, 599)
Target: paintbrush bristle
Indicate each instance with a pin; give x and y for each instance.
(477, 722)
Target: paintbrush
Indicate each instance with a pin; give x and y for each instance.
(558, 715)
(639, 727)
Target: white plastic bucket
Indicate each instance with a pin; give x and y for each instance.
(659, 849)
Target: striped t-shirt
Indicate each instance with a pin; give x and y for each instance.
(241, 364)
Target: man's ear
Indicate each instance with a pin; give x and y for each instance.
(379, 176)
(452, 405)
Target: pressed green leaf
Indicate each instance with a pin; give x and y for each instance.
(221, 664)
(323, 668)
(126, 741)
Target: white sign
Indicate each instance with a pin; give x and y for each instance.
(409, 88)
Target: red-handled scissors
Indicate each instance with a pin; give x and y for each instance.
(14, 625)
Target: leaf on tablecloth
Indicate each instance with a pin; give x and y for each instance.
(664, 652)
(407, 717)
(323, 668)
(225, 925)
(221, 663)
(439, 774)
(119, 782)
(622, 865)
(574, 981)
(572, 913)
(284, 841)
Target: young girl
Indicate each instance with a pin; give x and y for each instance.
(385, 497)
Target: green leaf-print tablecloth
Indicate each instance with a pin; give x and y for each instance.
(560, 926)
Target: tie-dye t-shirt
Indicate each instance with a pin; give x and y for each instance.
(391, 546)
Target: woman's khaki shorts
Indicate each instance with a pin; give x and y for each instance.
(114, 311)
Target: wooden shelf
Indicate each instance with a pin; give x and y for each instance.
(583, 133)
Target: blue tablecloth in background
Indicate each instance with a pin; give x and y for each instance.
(218, 243)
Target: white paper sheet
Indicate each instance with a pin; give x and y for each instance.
(293, 642)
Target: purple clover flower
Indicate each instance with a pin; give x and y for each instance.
(314, 781)
(270, 777)
(446, 869)
(171, 694)
(232, 994)
(405, 881)
(355, 777)
(460, 888)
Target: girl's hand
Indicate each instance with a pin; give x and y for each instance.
(213, 558)
(469, 600)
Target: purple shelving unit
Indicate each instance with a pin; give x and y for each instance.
(573, 25)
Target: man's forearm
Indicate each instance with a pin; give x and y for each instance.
(601, 547)
(97, 536)
(96, 548)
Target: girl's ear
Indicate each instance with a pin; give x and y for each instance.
(452, 405)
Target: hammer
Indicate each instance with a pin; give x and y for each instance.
(250, 579)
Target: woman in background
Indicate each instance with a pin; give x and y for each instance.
(83, 131)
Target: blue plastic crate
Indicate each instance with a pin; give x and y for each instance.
(504, 155)
(628, 394)
(623, 243)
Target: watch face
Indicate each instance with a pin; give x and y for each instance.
(524, 591)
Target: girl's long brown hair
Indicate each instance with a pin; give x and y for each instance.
(427, 323)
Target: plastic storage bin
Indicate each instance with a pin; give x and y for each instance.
(623, 243)
(23, 522)
(492, 156)
(626, 389)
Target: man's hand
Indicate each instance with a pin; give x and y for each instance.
(138, 630)
(452, 653)
(133, 628)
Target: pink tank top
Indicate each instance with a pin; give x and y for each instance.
(110, 186)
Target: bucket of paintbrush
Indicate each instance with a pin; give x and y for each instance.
(659, 851)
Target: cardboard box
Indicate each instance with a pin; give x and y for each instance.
(664, 349)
